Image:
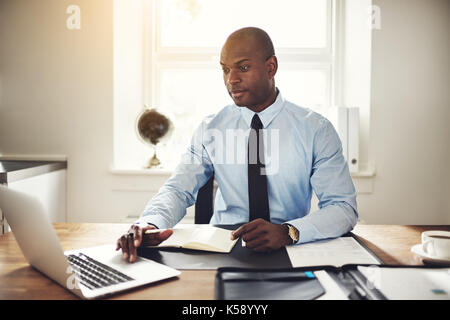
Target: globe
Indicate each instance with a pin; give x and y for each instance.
(153, 127)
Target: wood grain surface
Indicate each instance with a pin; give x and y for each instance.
(18, 280)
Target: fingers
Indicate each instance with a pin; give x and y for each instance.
(130, 241)
(246, 228)
(259, 244)
(137, 236)
(124, 245)
(163, 235)
(131, 248)
(260, 235)
(254, 235)
(153, 239)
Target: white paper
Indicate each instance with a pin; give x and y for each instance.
(409, 283)
(333, 252)
(332, 290)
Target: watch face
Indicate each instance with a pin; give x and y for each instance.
(293, 234)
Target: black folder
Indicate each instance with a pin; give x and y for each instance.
(296, 283)
(240, 257)
(266, 284)
(185, 259)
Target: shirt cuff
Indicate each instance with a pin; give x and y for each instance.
(306, 230)
(154, 220)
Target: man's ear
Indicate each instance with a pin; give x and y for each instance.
(272, 66)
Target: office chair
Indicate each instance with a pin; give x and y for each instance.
(204, 207)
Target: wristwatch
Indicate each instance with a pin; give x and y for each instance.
(293, 232)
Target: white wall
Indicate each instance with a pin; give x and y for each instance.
(410, 114)
(56, 97)
(356, 68)
(57, 93)
(128, 81)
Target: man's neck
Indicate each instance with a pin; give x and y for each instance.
(270, 100)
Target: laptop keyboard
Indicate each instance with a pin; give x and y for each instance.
(94, 274)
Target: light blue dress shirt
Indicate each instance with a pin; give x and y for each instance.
(302, 153)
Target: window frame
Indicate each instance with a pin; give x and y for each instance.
(129, 154)
(134, 76)
(155, 55)
(156, 8)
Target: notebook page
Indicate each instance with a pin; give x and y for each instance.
(334, 252)
(178, 237)
(204, 234)
(214, 237)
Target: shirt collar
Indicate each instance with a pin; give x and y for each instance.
(267, 115)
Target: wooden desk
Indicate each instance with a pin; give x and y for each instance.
(19, 281)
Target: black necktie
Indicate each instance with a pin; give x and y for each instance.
(257, 180)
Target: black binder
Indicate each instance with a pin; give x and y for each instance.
(295, 283)
(239, 257)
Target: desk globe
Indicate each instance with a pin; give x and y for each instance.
(153, 127)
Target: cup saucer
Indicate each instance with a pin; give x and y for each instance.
(417, 249)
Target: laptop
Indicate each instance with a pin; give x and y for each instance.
(89, 272)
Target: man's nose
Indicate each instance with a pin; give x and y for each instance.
(233, 77)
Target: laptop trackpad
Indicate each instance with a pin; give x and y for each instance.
(141, 269)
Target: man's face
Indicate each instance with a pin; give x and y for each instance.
(248, 76)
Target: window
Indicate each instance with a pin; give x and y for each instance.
(166, 55)
(206, 23)
(184, 78)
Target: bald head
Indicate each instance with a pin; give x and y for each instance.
(258, 38)
(249, 65)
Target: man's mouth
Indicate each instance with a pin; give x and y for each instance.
(236, 94)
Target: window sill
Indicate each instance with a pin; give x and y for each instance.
(141, 172)
(363, 179)
(365, 172)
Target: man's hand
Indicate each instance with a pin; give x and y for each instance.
(136, 236)
(263, 236)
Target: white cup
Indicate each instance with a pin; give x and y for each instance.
(436, 244)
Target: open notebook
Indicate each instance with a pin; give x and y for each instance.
(200, 237)
(335, 252)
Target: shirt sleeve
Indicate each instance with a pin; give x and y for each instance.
(331, 181)
(169, 205)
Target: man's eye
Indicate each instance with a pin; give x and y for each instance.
(225, 70)
(244, 68)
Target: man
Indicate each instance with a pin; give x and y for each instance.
(273, 207)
